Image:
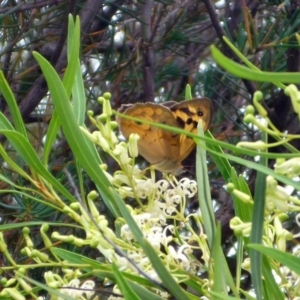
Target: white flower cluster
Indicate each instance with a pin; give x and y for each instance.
(153, 224)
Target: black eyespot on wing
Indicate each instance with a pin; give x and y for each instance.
(200, 113)
(189, 121)
(180, 122)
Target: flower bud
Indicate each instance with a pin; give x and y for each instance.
(258, 145)
(290, 167)
(101, 141)
(27, 238)
(107, 107)
(250, 110)
(257, 97)
(107, 95)
(294, 94)
(133, 145)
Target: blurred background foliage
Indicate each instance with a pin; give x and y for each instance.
(143, 51)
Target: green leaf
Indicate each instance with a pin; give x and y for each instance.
(243, 210)
(79, 97)
(144, 293)
(188, 92)
(222, 296)
(74, 136)
(68, 82)
(246, 61)
(73, 54)
(254, 75)
(163, 273)
(13, 106)
(286, 259)
(258, 226)
(219, 285)
(123, 286)
(51, 136)
(4, 123)
(270, 286)
(204, 195)
(221, 162)
(204, 198)
(79, 144)
(261, 168)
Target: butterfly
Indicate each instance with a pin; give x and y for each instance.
(162, 148)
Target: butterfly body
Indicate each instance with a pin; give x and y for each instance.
(162, 148)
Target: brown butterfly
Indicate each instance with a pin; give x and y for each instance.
(162, 148)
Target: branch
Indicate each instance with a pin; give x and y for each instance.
(220, 33)
(148, 71)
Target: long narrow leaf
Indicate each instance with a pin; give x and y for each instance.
(73, 133)
(217, 254)
(204, 195)
(163, 273)
(73, 54)
(68, 81)
(123, 286)
(13, 106)
(257, 228)
(4, 123)
(242, 210)
(205, 203)
(143, 293)
(247, 73)
(271, 287)
(287, 259)
(246, 61)
(222, 163)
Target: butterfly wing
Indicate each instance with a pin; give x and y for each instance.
(188, 114)
(157, 146)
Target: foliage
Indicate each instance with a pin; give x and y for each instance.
(86, 220)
